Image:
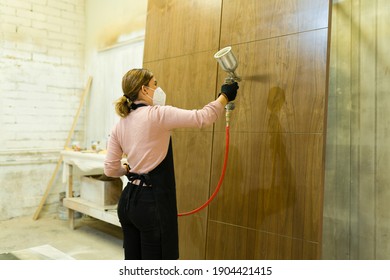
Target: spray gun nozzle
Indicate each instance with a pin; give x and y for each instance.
(231, 79)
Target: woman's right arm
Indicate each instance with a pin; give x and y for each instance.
(171, 117)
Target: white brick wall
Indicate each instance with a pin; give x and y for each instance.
(42, 77)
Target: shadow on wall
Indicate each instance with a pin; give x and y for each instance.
(256, 78)
(280, 194)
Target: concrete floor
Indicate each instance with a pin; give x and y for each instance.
(50, 237)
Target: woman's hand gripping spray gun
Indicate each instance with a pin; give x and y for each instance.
(228, 63)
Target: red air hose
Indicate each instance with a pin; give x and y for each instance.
(220, 179)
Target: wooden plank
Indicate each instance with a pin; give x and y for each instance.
(367, 130)
(106, 214)
(382, 246)
(352, 16)
(342, 126)
(67, 142)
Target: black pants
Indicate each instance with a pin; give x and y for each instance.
(138, 216)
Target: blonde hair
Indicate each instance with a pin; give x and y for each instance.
(132, 83)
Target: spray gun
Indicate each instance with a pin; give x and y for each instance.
(228, 63)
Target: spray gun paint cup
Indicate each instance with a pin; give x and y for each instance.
(228, 63)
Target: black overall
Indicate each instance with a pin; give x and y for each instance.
(148, 213)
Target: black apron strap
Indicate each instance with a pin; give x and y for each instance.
(134, 106)
(144, 178)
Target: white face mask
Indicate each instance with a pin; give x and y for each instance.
(159, 96)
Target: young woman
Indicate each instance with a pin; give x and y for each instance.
(147, 207)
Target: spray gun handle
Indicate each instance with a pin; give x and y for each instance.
(230, 106)
(230, 80)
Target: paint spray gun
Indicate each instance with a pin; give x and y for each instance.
(228, 63)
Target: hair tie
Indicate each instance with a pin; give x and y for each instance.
(127, 99)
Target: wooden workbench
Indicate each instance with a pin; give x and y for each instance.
(88, 164)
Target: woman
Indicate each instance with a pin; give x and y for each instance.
(147, 207)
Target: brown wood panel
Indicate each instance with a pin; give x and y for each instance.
(251, 20)
(283, 86)
(272, 183)
(227, 241)
(270, 204)
(192, 237)
(189, 82)
(176, 27)
(192, 153)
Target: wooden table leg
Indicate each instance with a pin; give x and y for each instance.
(70, 194)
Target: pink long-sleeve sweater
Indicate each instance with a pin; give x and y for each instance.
(144, 135)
